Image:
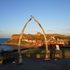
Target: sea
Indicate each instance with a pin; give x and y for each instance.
(7, 47)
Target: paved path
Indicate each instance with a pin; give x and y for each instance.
(39, 64)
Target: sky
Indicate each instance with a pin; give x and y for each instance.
(53, 15)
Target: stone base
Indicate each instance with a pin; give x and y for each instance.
(1, 62)
(47, 59)
(20, 63)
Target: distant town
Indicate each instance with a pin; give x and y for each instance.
(38, 39)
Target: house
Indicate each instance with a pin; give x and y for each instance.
(34, 41)
(30, 41)
(25, 40)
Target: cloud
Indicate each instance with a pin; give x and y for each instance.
(66, 34)
(0, 31)
(35, 27)
(66, 29)
(32, 31)
(49, 30)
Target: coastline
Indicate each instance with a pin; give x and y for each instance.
(25, 45)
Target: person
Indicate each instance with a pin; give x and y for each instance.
(2, 52)
(57, 47)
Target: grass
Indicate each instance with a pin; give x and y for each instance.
(62, 53)
(41, 51)
(34, 51)
(2, 58)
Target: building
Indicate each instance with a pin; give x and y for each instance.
(39, 34)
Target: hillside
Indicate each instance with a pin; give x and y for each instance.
(15, 37)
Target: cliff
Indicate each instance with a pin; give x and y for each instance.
(15, 36)
(41, 37)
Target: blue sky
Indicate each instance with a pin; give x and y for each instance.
(53, 15)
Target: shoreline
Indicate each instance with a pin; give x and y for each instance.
(25, 45)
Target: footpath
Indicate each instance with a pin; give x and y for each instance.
(39, 64)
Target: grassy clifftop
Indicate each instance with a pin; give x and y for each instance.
(15, 37)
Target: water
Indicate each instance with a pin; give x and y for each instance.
(3, 40)
(7, 47)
